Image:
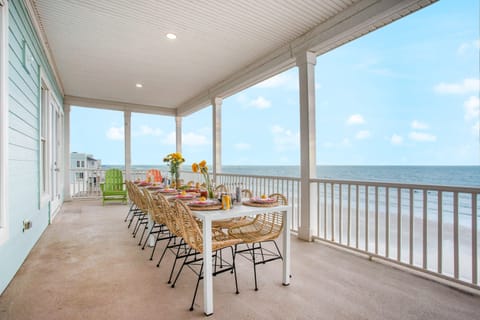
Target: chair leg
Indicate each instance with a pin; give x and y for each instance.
(131, 219)
(234, 268)
(143, 233)
(154, 246)
(196, 287)
(278, 250)
(148, 235)
(261, 251)
(163, 253)
(128, 213)
(254, 267)
(181, 267)
(174, 263)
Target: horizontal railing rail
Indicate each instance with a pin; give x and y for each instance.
(429, 228)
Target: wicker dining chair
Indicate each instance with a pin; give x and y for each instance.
(234, 222)
(133, 210)
(264, 228)
(193, 236)
(158, 228)
(141, 205)
(221, 188)
(175, 244)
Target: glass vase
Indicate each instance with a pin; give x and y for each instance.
(211, 195)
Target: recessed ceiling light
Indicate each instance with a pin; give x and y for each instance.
(139, 85)
(171, 36)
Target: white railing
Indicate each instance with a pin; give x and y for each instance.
(289, 187)
(433, 229)
(85, 183)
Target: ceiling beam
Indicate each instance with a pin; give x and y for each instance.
(117, 105)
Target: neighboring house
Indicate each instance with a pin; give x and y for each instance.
(84, 174)
(32, 156)
(82, 164)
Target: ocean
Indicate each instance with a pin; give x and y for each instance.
(467, 176)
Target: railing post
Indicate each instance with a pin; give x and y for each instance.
(306, 66)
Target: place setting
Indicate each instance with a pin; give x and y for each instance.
(262, 201)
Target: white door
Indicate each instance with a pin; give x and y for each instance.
(56, 152)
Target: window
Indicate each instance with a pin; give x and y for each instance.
(78, 163)
(83, 164)
(3, 122)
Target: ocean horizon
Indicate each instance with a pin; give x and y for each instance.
(467, 176)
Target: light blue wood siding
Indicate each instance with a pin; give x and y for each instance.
(23, 143)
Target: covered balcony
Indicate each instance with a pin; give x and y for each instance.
(360, 249)
(88, 266)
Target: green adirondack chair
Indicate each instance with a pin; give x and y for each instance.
(113, 189)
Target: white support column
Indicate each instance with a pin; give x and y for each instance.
(217, 135)
(308, 162)
(128, 144)
(178, 134)
(67, 196)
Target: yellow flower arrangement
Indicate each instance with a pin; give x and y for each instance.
(174, 160)
(202, 168)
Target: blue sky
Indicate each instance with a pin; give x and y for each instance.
(406, 94)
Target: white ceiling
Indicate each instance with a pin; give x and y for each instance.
(102, 48)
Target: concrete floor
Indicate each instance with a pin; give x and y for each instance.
(87, 266)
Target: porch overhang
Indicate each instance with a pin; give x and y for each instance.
(234, 52)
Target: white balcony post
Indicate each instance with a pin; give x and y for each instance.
(128, 143)
(67, 196)
(217, 135)
(178, 134)
(306, 66)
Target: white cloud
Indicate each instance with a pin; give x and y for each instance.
(419, 125)
(468, 85)
(242, 146)
(476, 129)
(355, 119)
(346, 142)
(328, 144)
(193, 139)
(149, 131)
(472, 107)
(273, 82)
(190, 139)
(285, 80)
(170, 139)
(396, 139)
(422, 136)
(260, 103)
(363, 134)
(115, 133)
(466, 46)
(285, 139)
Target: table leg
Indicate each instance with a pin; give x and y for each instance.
(151, 238)
(286, 249)
(207, 268)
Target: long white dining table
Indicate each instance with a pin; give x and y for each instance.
(237, 211)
